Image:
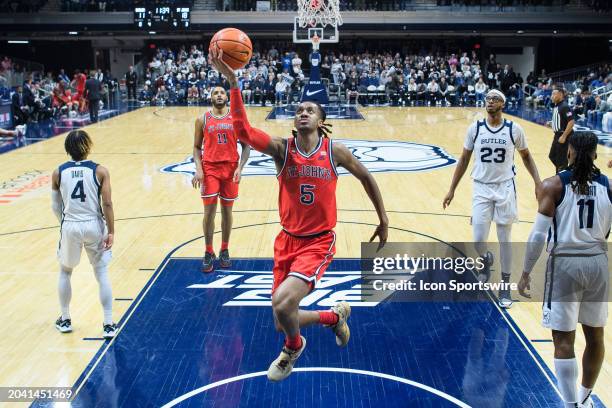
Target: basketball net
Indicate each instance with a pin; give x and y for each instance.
(315, 42)
(319, 12)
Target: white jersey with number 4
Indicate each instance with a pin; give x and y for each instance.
(494, 150)
(80, 190)
(581, 224)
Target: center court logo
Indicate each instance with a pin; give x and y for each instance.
(256, 286)
(377, 156)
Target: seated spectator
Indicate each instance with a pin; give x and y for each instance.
(193, 95)
(481, 90)
(269, 89)
(432, 92)
(281, 89)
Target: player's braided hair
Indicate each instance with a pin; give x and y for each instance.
(325, 128)
(583, 168)
(77, 144)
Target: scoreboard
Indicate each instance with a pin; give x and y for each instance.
(162, 17)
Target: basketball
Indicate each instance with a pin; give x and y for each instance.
(236, 46)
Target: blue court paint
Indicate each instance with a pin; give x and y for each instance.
(333, 112)
(193, 330)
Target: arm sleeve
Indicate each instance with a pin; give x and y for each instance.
(257, 139)
(469, 137)
(519, 137)
(57, 204)
(536, 241)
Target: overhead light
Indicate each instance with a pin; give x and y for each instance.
(152, 32)
(73, 33)
(520, 32)
(18, 42)
(554, 31)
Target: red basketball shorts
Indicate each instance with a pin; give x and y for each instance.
(218, 181)
(303, 258)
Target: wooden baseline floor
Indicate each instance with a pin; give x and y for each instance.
(155, 212)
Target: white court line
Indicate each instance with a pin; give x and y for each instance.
(119, 329)
(432, 390)
(526, 347)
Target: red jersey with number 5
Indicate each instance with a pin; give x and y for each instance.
(307, 184)
(220, 143)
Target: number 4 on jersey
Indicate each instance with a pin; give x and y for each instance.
(78, 192)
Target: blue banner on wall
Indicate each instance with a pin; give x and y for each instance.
(315, 89)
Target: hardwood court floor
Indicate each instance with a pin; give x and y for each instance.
(155, 212)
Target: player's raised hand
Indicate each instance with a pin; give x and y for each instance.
(216, 59)
(524, 285)
(610, 164)
(108, 242)
(382, 232)
(197, 179)
(448, 199)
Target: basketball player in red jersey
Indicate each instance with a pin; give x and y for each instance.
(217, 173)
(307, 176)
(79, 84)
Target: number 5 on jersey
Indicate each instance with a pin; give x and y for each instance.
(307, 195)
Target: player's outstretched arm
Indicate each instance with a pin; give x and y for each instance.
(343, 157)
(548, 192)
(460, 169)
(198, 137)
(107, 204)
(256, 138)
(56, 197)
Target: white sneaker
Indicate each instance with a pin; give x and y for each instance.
(109, 330)
(283, 365)
(341, 329)
(63, 325)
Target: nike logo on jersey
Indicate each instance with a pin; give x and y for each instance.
(308, 93)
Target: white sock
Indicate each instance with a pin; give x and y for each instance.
(106, 293)
(505, 247)
(481, 235)
(567, 376)
(583, 393)
(65, 291)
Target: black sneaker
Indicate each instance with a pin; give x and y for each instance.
(109, 330)
(224, 259)
(63, 325)
(208, 262)
(484, 274)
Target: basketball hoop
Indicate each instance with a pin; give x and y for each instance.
(319, 12)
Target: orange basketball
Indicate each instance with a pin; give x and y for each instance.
(236, 46)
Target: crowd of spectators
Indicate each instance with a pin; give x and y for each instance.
(272, 77)
(40, 97)
(182, 75)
